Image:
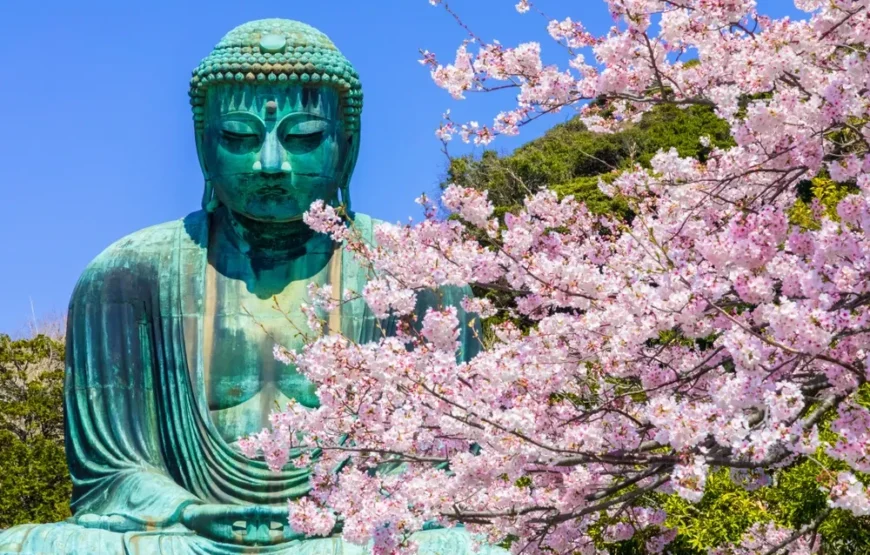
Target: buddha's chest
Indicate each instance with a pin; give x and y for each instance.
(241, 362)
(243, 382)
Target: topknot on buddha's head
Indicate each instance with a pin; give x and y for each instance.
(278, 51)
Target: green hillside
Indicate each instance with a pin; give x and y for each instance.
(570, 159)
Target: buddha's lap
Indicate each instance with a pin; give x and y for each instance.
(65, 538)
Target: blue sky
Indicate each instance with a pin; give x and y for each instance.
(97, 137)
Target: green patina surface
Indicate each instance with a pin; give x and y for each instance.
(171, 329)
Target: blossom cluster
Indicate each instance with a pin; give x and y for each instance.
(635, 355)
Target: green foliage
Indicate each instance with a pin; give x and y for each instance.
(796, 499)
(34, 482)
(585, 188)
(570, 159)
(827, 192)
(844, 534)
(724, 512)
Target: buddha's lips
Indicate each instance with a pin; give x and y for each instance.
(275, 182)
(273, 191)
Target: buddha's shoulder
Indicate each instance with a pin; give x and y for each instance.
(157, 241)
(142, 254)
(365, 224)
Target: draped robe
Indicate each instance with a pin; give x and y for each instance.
(140, 441)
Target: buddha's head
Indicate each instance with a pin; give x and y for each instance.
(277, 117)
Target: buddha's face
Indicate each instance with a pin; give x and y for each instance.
(270, 151)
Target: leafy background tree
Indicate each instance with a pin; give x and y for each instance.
(34, 481)
(571, 160)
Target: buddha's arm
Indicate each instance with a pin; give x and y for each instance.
(112, 442)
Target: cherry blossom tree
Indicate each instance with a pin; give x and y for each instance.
(710, 330)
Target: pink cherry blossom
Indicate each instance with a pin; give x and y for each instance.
(441, 328)
(850, 494)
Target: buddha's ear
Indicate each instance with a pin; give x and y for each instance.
(209, 200)
(351, 154)
(199, 152)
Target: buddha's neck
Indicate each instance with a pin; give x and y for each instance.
(257, 239)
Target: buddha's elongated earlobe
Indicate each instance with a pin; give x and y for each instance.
(209, 200)
(347, 171)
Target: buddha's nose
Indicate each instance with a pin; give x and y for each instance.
(272, 156)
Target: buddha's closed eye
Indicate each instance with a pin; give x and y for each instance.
(304, 133)
(240, 136)
(302, 136)
(234, 136)
(305, 128)
(239, 129)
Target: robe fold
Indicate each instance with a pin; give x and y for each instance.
(140, 441)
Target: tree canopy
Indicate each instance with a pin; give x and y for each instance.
(34, 480)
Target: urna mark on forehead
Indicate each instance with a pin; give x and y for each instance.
(283, 99)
